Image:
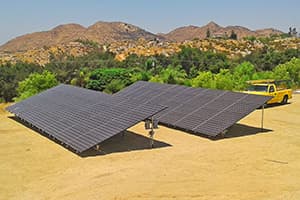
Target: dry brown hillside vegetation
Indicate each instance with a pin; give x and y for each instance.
(109, 32)
(216, 31)
(231, 48)
(124, 39)
(100, 32)
(142, 47)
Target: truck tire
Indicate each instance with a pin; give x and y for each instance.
(285, 100)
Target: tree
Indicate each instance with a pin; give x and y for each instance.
(267, 59)
(140, 76)
(35, 84)
(67, 68)
(292, 32)
(289, 70)
(208, 34)
(100, 78)
(171, 75)
(263, 75)
(250, 38)
(242, 73)
(7, 91)
(114, 86)
(194, 60)
(224, 80)
(81, 78)
(233, 35)
(205, 80)
(11, 75)
(135, 61)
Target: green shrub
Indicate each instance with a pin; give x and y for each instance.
(224, 80)
(205, 80)
(35, 84)
(114, 86)
(242, 73)
(289, 70)
(171, 75)
(100, 78)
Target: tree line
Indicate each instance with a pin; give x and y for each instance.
(101, 71)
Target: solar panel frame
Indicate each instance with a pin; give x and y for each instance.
(81, 118)
(197, 110)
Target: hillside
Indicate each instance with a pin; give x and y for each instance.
(100, 32)
(267, 31)
(124, 39)
(216, 31)
(110, 32)
(142, 47)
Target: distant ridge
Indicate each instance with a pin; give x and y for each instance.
(101, 32)
(192, 32)
(109, 32)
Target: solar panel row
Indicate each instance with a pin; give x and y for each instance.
(81, 118)
(198, 110)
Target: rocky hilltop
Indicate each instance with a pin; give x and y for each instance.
(142, 47)
(100, 32)
(124, 39)
(216, 31)
(110, 32)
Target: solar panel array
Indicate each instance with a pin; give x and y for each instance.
(81, 118)
(197, 110)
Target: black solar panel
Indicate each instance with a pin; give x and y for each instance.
(198, 110)
(81, 118)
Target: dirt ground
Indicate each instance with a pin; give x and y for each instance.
(247, 164)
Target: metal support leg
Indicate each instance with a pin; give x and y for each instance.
(151, 133)
(151, 141)
(97, 147)
(262, 117)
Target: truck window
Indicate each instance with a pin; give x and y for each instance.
(271, 89)
(258, 88)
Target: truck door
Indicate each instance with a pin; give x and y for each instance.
(273, 93)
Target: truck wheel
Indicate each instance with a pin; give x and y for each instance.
(284, 100)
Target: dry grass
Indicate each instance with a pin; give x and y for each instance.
(247, 165)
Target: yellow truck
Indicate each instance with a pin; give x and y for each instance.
(278, 89)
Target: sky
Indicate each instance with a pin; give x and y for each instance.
(18, 17)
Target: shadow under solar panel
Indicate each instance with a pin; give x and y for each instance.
(197, 110)
(81, 118)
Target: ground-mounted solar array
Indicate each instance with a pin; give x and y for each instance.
(81, 118)
(197, 110)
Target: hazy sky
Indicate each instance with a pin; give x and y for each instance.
(18, 17)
